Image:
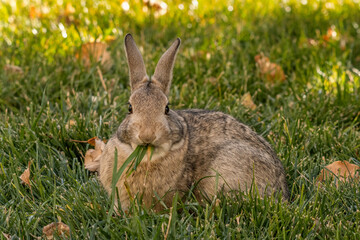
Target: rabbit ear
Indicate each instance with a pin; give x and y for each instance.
(164, 68)
(136, 64)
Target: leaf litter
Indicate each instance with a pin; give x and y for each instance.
(25, 176)
(92, 156)
(13, 70)
(246, 101)
(340, 170)
(91, 141)
(56, 228)
(269, 71)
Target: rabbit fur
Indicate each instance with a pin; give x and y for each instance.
(191, 146)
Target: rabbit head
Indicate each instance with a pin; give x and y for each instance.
(150, 120)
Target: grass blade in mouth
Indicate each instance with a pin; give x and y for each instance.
(140, 156)
(134, 160)
(149, 152)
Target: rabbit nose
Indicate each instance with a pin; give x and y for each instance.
(147, 138)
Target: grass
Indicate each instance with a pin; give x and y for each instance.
(311, 119)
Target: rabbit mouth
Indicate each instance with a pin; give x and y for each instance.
(153, 142)
(145, 145)
(159, 150)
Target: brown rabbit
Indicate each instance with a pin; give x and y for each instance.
(190, 146)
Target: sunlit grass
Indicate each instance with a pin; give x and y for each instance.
(311, 119)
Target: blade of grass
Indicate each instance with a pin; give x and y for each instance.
(117, 174)
(139, 157)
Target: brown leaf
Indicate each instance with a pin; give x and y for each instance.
(13, 70)
(341, 169)
(25, 176)
(271, 72)
(89, 160)
(91, 141)
(331, 34)
(58, 228)
(247, 101)
(159, 7)
(69, 9)
(95, 52)
(92, 156)
(34, 13)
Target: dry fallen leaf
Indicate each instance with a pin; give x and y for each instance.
(95, 52)
(25, 176)
(91, 141)
(67, 15)
(92, 156)
(69, 9)
(331, 34)
(13, 70)
(271, 72)
(34, 13)
(247, 101)
(158, 7)
(59, 228)
(343, 170)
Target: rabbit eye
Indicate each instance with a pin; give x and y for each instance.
(167, 109)
(130, 108)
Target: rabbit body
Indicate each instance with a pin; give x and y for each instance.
(207, 148)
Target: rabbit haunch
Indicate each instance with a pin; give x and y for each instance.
(192, 146)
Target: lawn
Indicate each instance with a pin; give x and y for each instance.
(49, 97)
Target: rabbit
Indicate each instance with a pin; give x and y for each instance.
(207, 148)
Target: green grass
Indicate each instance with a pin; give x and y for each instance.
(312, 119)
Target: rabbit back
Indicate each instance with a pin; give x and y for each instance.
(220, 145)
